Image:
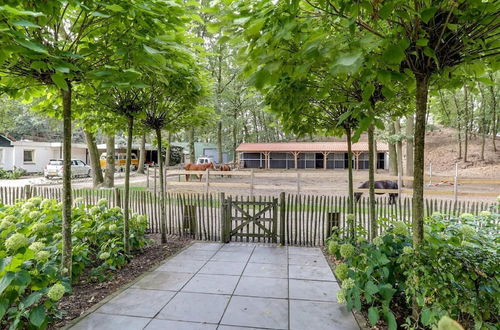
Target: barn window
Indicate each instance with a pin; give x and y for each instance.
(28, 156)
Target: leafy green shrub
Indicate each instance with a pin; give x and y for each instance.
(454, 273)
(30, 253)
(15, 174)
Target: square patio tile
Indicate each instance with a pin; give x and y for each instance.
(266, 270)
(178, 325)
(195, 307)
(98, 321)
(195, 254)
(311, 273)
(271, 249)
(223, 268)
(262, 287)
(137, 302)
(186, 266)
(313, 290)
(269, 258)
(217, 284)
(205, 246)
(257, 312)
(231, 256)
(161, 280)
(307, 260)
(314, 315)
(230, 327)
(237, 247)
(305, 251)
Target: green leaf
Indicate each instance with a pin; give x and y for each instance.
(394, 54)
(32, 299)
(21, 278)
(348, 59)
(33, 46)
(371, 288)
(26, 23)
(116, 8)
(391, 320)
(4, 262)
(62, 69)
(368, 92)
(427, 14)
(241, 20)
(357, 298)
(386, 291)
(5, 281)
(386, 10)
(17, 12)
(37, 316)
(422, 42)
(425, 317)
(152, 50)
(4, 304)
(99, 14)
(373, 315)
(59, 80)
(255, 27)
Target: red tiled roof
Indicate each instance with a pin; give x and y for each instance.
(308, 147)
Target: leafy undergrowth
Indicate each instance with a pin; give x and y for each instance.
(31, 283)
(454, 273)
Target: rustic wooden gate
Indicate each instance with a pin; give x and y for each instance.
(251, 221)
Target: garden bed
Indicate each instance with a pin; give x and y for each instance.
(87, 293)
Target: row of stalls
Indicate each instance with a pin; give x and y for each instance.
(309, 155)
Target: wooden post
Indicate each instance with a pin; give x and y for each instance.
(275, 221)
(296, 158)
(27, 191)
(333, 220)
(222, 201)
(430, 174)
(400, 183)
(455, 185)
(252, 178)
(147, 176)
(154, 173)
(282, 218)
(207, 181)
(189, 219)
(268, 161)
(325, 155)
(298, 183)
(117, 198)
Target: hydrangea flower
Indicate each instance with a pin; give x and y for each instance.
(400, 229)
(36, 200)
(467, 216)
(42, 256)
(78, 200)
(407, 250)
(36, 246)
(57, 236)
(16, 241)
(101, 229)
(350, 217)
(467, 231)
(346, 250)
(34, 214)
(46, 203)
(24, 212)
(112, 227)
(485, 213)
(95, 210)
(341, 296)
(142, 218)
(341, 271)
(360, 239)
(56, 292)
(333, 247)
(28, 205)
(39, 227)
(378, 241)
(10, 218)
(103, 202)
(104, 255)
(5, 223)
(348, 283)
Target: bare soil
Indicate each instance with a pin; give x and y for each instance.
(87, 293)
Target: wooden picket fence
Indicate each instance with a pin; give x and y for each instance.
(303, 220)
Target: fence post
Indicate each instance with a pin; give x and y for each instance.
(189, 219)
(27, 191)
(430, 174)
(147, 176)
(117, 198)
(154, 173)
(282, 218)
(455, 183)
(298, 183)
(222, 201)
(207, 181)
(333, 220)
(400, 184)
(252, 177)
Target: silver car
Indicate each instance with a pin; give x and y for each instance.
(54, 169)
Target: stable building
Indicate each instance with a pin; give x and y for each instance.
(308, 155)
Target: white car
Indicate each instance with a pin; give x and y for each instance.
(55, 169)
(205, 160)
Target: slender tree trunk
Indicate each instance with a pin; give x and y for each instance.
(219, 141)
(350, 200)
(483, 122)
(97, 178)
(66, 261)
(192, 156)
(130, 127)
(169, 150)
(410, 135)
(393, 156)
(235, 132)
(397, 127)
(163, 223)
(142, 154)
(109, 177)
(466, 142)
(418, 175)
(371, 180)
(255, 126)
(459, 126)
(494, 115)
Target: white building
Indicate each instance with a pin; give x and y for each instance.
(34, 156)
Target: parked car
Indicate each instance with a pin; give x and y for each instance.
(205, 160)
(55, 169)
(120, 161)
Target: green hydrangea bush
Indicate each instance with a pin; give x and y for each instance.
(454, 273)
(30, 252)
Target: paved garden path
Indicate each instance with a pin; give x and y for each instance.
(229, 287)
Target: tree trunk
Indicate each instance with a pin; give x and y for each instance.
(130, 127)
(397, 127)
(418, 175)
(97, 178)
(350, 200)
(483, 122)
(66, 261)
(235, 131)
(192, 156)
(466, 142)
(494, 115)
(169, 149)
(109, 175)
(163, 223)
(459, 126)
(142, 154)
(371, 179)
(219, 141)
(410, 133)
(393, 156)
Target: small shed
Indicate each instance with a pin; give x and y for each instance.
(308, 155)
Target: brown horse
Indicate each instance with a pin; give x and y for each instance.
(225, 168)
(197, 167)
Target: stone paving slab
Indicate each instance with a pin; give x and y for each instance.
(234, 286)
